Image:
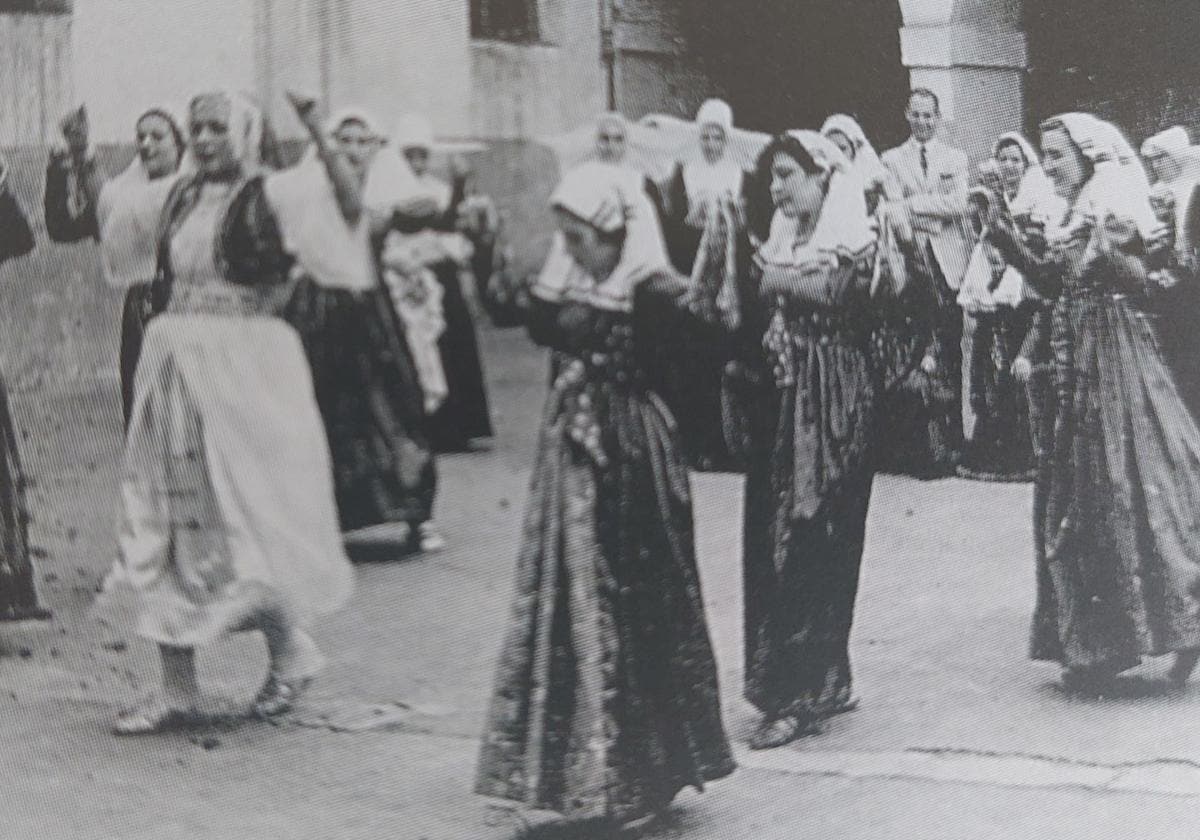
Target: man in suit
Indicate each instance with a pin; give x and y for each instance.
(929, 185)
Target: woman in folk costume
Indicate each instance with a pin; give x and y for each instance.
(18, 595)
(809, 480)
(464, 414)
(1121, 525)
(710, 177)
(366, 383)
(849, 136)
(998, 445)
(1176, 166)
(705, 230)
(123, 214)
(606, 701)
(229, 518)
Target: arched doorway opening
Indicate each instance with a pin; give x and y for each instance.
(790, 65)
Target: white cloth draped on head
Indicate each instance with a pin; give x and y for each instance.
(413, 131)
(843, 229)
(1119, 187)
(704, 180)
(1035, 194)
(1175, 143)
(245, 129)
(331, 251)
(866, 163)
(599, 194)
(128, 211)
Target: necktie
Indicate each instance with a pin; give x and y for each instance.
(924, 164)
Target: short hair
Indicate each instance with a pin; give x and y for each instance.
(924, 91)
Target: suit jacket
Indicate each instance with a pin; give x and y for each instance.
(937, 203)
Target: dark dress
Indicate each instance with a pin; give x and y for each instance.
(924, 427)
(464, 415)
(18, 598)
(64, 226)
(698, 389)
(1121, 525)
(808, 486)
(1000, 448)
(606, 700)
(371, 403)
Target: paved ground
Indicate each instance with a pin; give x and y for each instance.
(959, 737)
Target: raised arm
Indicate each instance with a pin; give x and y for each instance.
(346, 187)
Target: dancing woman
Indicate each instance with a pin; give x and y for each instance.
(363, 373)
(229, 516)
(122, 213)
(464, 415)
(605, 703)
(809, 480)
(1121, 525)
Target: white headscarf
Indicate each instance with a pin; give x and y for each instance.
(331, 251)
(128, 211)
(1175, 143)
(1119, 187)
(1035, 194)
(598, 193)
(705, 181)
(843, 229)
(415, 131)
(866, 163)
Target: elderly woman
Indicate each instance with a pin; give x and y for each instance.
(1121, 526)
(1002, 306)
(365, 380)
(809, 481)
(229, 520)
(122, 213)
(464, 415)
(606, 702)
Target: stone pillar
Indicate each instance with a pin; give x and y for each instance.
(973, 54)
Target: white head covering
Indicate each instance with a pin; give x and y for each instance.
(354, 113)
(715, 112)
(598, 193)
(705, 181)
(128, 212)
(1174, 142)
(843, 229)
(866, 161)
(413, 131)
(1035, 194)
(1119, 187)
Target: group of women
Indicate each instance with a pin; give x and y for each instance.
(279, 372)
(606, 700)
(296, 346)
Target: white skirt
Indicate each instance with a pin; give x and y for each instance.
(227, 487)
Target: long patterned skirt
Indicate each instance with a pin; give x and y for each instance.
(18, 599)
(1121, 529)
(606, 701)
(371, 402)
